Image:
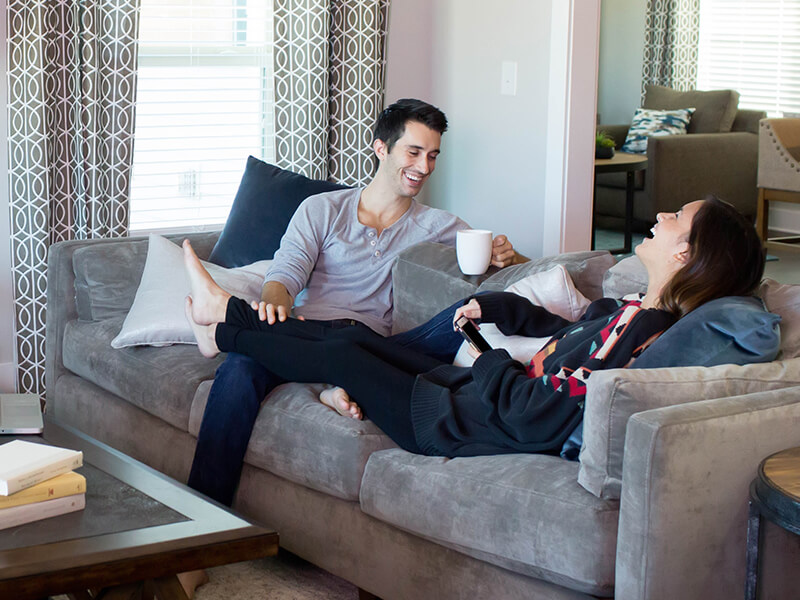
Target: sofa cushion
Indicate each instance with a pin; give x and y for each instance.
(107, 273)
(161, 381)
(299, 439)
(628, 276)
(523, 512)
(715, 110)
(649, 123)
(264, 204)
(614, 395)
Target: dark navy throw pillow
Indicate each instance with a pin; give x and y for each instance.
(265, 202)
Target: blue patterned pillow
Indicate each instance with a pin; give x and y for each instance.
(647, 122)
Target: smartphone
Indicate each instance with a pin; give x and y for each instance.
(469, 330)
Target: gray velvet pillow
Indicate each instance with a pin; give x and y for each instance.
(715, 110)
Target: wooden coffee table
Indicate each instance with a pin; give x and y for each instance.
(139, 529)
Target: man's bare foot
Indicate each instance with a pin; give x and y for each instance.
(204, 334)
(339, 400)
(191, 580)
(209, 300)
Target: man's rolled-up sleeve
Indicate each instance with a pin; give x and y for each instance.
(300, 247)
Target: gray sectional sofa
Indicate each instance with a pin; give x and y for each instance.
(656, 508)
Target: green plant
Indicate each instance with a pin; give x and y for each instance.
(603, 140)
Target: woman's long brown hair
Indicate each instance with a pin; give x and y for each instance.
(726, 258)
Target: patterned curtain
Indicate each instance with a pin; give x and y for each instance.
(329, 80)
(72, 81)
(672, 32)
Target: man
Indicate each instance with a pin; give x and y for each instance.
(334, 266)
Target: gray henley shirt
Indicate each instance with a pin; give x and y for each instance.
(337, 268)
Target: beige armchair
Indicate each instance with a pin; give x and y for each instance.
(719, 155)
(778, 170)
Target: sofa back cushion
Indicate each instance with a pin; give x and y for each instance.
(585, 269)
(427, 279)
(107, 273)
(715, 110)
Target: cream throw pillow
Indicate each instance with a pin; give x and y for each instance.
(553, 290)
(157, 317)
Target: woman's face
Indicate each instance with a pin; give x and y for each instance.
(670, 241)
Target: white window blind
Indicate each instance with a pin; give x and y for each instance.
(204, 103)
(752, 47)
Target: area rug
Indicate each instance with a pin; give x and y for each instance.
(284, 577)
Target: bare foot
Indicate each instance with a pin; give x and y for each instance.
(204, 334)
(209, 300)
(339, 400)
(191, 580)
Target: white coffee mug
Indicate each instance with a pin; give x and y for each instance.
(474, 250)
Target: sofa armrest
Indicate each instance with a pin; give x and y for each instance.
(61, 293)
(682, 168)
(684, 505)
(748, 120)
(613, 396)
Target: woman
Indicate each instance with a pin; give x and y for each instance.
(704, 251)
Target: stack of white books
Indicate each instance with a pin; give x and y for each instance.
(38, 482)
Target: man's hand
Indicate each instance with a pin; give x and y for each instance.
(275, 304)
(503, 253)
(270, 312)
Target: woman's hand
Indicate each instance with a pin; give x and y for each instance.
(471, 310)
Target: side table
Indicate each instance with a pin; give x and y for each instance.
(621, 162)
(775, 495)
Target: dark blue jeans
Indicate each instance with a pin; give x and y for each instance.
(240, 386)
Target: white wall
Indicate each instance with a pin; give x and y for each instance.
(7, 346)
(622, 25)
(450, 52)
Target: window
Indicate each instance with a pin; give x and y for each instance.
(754, 48)
(204, 103)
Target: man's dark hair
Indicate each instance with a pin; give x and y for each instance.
(392, 121)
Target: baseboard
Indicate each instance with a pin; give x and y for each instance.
(787, 219)
(8, 378)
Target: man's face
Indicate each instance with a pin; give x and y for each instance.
(411, 160)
